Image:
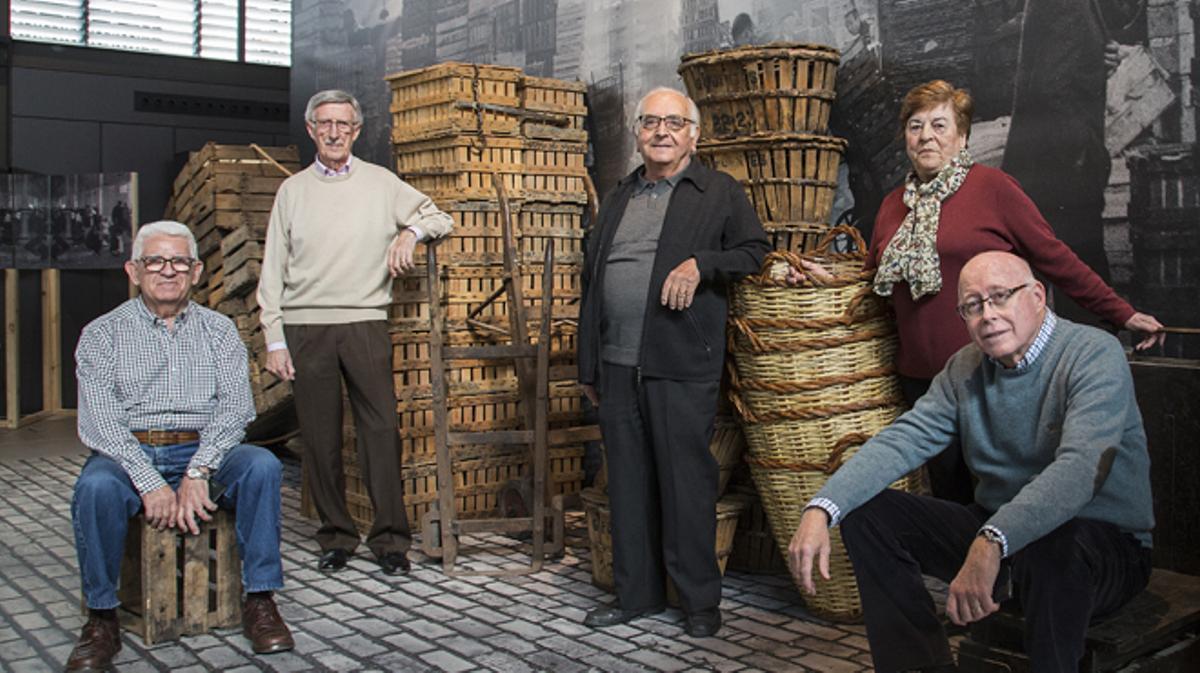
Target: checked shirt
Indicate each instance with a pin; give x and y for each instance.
(136, 374)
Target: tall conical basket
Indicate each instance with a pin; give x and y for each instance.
(813, 379)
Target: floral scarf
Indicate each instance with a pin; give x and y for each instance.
(912, 253)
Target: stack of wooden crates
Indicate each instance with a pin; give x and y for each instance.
(454, 125)
(225, 193)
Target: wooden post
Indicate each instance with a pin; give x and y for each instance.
(12, 345)
(51, 341)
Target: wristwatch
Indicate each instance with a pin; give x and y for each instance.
(197, 473)
(991, 535)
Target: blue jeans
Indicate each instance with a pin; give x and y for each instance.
(105, 501)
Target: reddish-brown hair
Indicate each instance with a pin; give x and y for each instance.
(935, 93)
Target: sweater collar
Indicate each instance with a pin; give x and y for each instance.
(1037, 347)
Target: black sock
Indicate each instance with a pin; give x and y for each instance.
(260, 594)
(109, 614)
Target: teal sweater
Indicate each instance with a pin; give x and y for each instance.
(1059, 440)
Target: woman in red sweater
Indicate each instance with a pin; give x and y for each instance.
(948, 210)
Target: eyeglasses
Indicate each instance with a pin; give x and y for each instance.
(998, 299)
(673, 122)
(155, 264)
(326, 124)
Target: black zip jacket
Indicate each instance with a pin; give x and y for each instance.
(709, 218)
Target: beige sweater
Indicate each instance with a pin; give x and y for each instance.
(327, 240)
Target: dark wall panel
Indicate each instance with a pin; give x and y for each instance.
(30, 334)
(86, 295)
(55, 146)
(146, 150)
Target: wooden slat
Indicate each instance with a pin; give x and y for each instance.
(492, 437)
(498, 352)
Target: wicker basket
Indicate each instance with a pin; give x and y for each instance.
(813, 381)
(776, 87)
(599, 521)
(791, 179)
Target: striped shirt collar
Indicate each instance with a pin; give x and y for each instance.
(329, 172)
(1039, 342)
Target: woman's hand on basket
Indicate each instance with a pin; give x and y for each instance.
(811, 270)
(810, 541)
(680, 286)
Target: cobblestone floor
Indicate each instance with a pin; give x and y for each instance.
(361, 620)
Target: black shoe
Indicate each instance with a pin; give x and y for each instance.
(395, 563)
(611, 615)
(703, 624)
(333, 560)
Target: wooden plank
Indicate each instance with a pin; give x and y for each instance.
(51, 340)
(229, 574)
(242, 280)
(159, 593)
(12, 345)
(195, 581)
(491, 437)
(250, 251)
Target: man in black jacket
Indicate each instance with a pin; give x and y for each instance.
(668, 241)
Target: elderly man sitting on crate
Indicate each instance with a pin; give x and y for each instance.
(164, 399)
(1045, 412)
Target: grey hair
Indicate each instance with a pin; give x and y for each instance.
(163, 228)
(331, 96)
(693, 110)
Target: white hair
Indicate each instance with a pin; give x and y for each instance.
(693, 110)
(163, 228)
(331, 96)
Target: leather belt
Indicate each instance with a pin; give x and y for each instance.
(166, 437)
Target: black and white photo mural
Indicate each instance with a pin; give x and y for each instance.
(82, 221)
(1087, 103)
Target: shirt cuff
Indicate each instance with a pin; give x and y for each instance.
(829, 507)
(276, 346)
(417, 230)
(995, 534)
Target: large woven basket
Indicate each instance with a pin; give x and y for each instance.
(777, 87)
(813, 381)
(791, 178)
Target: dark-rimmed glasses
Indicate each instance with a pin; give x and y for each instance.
(673, 122)
(155, 264)
(998, 299)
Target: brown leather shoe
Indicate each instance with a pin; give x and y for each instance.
(263, 626)
(98, 644)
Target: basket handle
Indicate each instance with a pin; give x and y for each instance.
(827, 241)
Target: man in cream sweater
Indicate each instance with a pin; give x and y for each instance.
(340, 231)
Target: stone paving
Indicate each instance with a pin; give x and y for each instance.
(361, 620)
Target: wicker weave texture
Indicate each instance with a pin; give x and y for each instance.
(813, 380)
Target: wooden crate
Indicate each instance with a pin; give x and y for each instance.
(451, 168)
(783, 86)
(479, 474)
(174, 585)
(215, 159)
(456, 98)
(560, 112)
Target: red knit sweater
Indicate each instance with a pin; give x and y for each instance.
(988, 212)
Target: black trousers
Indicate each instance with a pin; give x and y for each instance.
(1082, 570)
(360, 353)
(662, 487)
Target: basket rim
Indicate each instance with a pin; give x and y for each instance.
(774, 139)
(812, 50)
